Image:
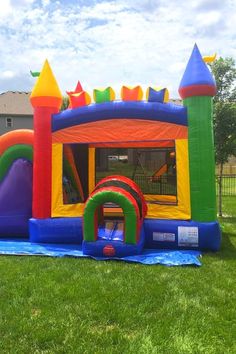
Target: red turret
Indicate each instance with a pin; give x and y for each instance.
(46, 99)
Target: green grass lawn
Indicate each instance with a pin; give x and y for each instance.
(66, 305)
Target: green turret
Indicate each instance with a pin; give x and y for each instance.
(197, 88)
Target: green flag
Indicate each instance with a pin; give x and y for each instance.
(34, 73)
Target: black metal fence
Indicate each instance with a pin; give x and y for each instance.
(163, 185)
(166, 185)
(228, 185)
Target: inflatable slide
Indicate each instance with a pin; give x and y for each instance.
(16, 181)
(16, 154)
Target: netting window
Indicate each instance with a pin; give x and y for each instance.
(153, 169)
(75, 173)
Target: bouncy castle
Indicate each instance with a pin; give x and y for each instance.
(117, 176)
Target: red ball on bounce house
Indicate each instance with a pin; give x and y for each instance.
(109, 251)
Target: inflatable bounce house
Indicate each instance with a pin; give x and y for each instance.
(117, 176)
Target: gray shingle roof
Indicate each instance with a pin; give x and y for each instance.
(18, 103)
(15, 103)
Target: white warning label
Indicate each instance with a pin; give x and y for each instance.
(188, 236)
(163, 237)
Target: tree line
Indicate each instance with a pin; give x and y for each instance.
(224, 115)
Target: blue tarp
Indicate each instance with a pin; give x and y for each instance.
(148, 256)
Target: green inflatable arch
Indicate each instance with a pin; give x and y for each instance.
(118, 197)
(13, 153)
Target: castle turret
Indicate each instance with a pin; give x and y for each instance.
(197, 88)
(46, 99)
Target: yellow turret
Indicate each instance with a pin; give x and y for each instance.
(46, 92)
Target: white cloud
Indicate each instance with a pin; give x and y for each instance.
(5, 8)
(8, 74)
(45, 3)
(208, 5)
(110, 42)
(17, 3)
(209, 18)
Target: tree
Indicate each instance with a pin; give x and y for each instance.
(65, 103)
(224, 114)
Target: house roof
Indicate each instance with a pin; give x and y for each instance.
(18, 103)
(15, 103)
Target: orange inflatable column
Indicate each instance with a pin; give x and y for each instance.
(46, 99)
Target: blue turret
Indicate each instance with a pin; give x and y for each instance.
(197, 79)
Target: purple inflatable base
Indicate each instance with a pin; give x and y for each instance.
(16, 200)
(14, 226)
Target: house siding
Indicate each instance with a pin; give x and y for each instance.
(19, 122)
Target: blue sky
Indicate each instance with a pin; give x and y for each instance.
(104, 42)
